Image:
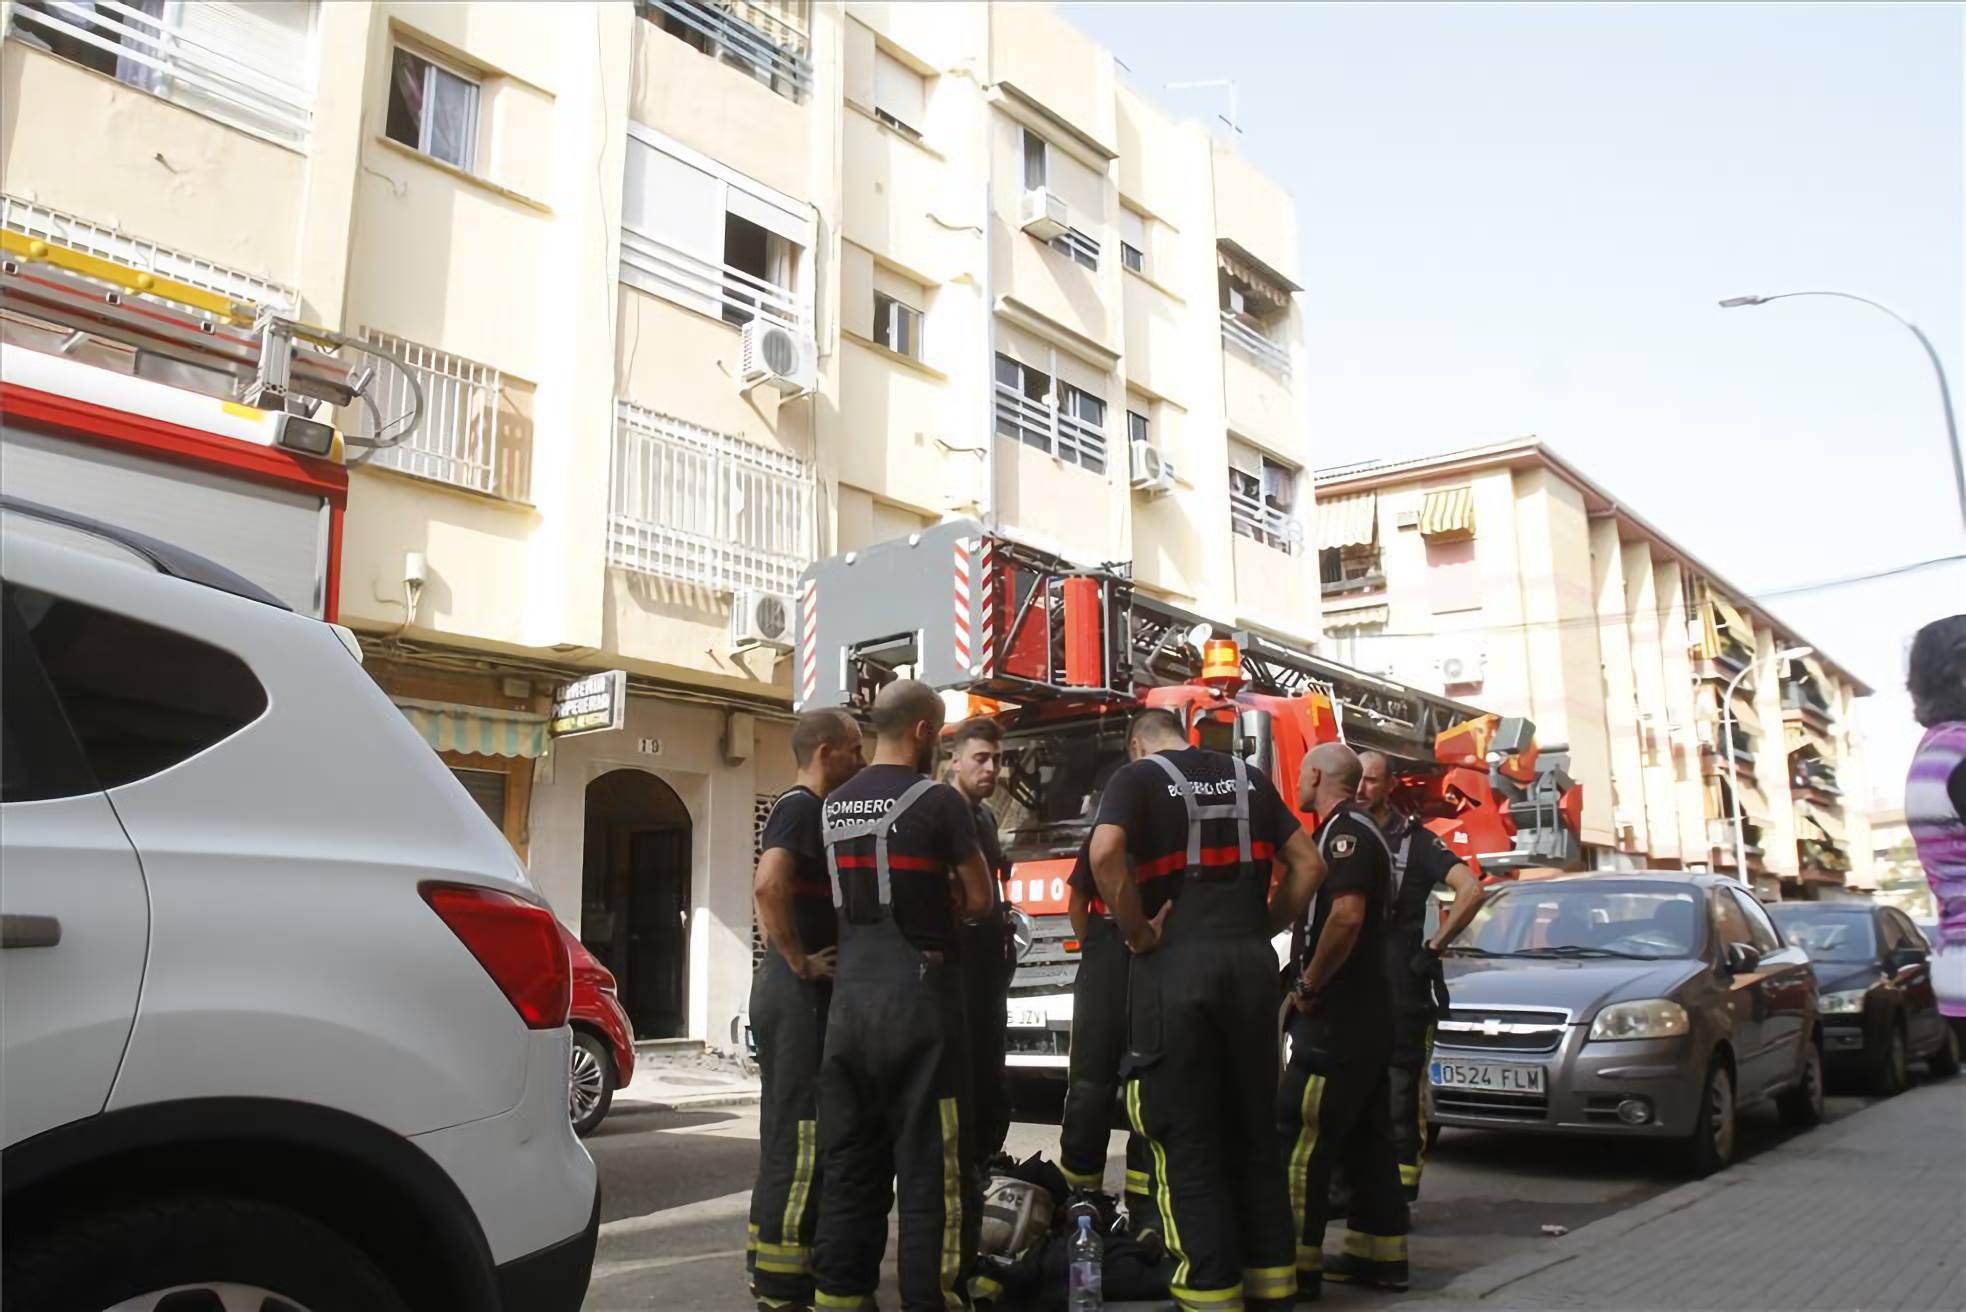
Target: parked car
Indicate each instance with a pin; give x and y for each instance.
(1650, 1006)
(282, 1020)
(602, 1055)
(1874, 971)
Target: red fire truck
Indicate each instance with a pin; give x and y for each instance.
(1064, 654)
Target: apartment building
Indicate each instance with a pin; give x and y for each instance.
(694, 292)
(1504, 576)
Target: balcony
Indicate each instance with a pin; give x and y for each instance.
(1799, 701)
(1822, 861)
(1809, 775)
(712, 287)
(767, 41)
(1241, 336)
(1350, 571)
(706, 509)
(30, 219)
(476, 430)
(1251, 517)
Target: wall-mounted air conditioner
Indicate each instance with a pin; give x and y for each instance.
(761, 619)
(1153, 473)
(1044, 215)
(1407, 519)
(770, 352)
(1461, 661)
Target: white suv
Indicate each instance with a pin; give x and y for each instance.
(282, 1020)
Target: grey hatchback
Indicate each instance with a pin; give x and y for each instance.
(1648, 1005)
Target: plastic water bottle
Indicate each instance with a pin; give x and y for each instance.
(1088, 1269)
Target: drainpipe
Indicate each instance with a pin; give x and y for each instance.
(987, 503)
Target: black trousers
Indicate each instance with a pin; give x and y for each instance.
(986, 966)
(890, 1125)
(1335, 1108)
(1202, 1055)
(1092, 1095)
(788, 1017)
(1406, 1080)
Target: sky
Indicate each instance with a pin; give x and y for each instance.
(1517, 220)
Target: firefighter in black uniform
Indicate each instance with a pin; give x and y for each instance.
(1334, 1107)
(1183, 852)
(976, 748)
(1421, 863)
(790, 996)
(905, 869)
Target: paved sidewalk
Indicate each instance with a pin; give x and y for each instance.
(1869, 1213)
(683, 1078)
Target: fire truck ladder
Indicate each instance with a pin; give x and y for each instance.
(274, 362)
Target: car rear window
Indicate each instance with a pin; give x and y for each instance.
(1580, 921)
(1827, 935)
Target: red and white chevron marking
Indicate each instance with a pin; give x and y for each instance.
(808, 641)
(986, 583)
(962, 603)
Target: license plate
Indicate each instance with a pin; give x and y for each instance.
(1025, 1018)
(1486, 1076)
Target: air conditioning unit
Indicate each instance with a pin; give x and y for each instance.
(772, 353)
(761, 619)
(1461, 662)
(1045, 215)
(1153, 473)
(1407, 519)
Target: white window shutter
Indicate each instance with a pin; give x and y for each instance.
(247, 61)
(1133, 228)
(666, 203)
(899, 90)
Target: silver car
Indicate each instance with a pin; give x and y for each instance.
(1643, 1006)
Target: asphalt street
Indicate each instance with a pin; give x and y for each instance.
(676, 1189)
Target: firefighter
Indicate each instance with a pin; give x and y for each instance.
(1421, 863)
(1183, 850)
(1334, 1107)
(976, 749)
(790, 996)
(905, 870)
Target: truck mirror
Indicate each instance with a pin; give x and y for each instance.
(1256, 739)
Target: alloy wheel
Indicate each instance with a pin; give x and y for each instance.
(1813, 1073)
(584, 1084)
(219, 1296)
(1720, 1115)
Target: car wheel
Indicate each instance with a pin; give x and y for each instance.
(1894, 1072)
(590, 1082)
(1803, 1105)
(1944, 1063)
(1710, 1146)
(196, 1251)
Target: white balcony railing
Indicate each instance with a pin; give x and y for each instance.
(34, 220)
(1066, 436)
(246, 68)
(766, 40)
(1266, 353)
(1266, 524)
(476, 427)
(662, 270)
(705, 508)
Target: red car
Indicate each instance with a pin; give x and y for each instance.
(603, 1052)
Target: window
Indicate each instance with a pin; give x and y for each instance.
(1137, 428)
(1077, 247)
(250, 65)
(1730, 923)
(900, 96)
(1761, 930)
(1133, 240)
(1262, 497)
(898, 327)
(1069, 422)
(39, 757)
(487, 789)
(1037, 162)
(1132, 258)
(766, 41)
(140, 699)
(433, 109)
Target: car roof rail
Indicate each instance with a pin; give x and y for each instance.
(165, 558)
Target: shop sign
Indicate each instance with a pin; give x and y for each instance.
(590, 705)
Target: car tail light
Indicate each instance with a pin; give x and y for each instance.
(518, 944)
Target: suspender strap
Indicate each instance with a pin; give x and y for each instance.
(878, 830)
(1401, 856)
(1237, 810)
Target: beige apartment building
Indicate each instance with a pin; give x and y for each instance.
(1505, 577)
(695, 292)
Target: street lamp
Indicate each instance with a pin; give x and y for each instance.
(1945, 393)
(1733, 769)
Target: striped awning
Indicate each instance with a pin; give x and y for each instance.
(1734, 622)
(1703, 633)
(1744, 713)
(1348, 521)
(476, 730)
(1800, 735)
(1448, 513)
(1827, 823)
(1357, 617)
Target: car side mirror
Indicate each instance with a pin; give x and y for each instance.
(1742, 958)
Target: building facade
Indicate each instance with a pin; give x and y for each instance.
(1503, 576)
(695, 292)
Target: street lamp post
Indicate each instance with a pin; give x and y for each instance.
(1734, 769)
(1931, 353)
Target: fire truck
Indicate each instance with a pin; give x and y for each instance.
(1063, 655)
(170, 408)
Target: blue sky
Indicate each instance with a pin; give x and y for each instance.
(1517, 219)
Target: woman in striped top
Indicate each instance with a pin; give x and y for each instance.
(1935, 795)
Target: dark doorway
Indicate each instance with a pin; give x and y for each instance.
(635, 897)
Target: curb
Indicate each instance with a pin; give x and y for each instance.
(1485, 1281)
(683, 1102)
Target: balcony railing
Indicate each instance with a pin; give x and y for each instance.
(1818, 778)
(476, 427)
(156, 53)
(1250, 517)
(704, 508)
(763, 40)
(1798, 697)
(1066, 436)
(34, 220)
(1266, 353)
(716, 289)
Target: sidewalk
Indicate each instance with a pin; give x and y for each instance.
(673, 1080)
(1868, 1213)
